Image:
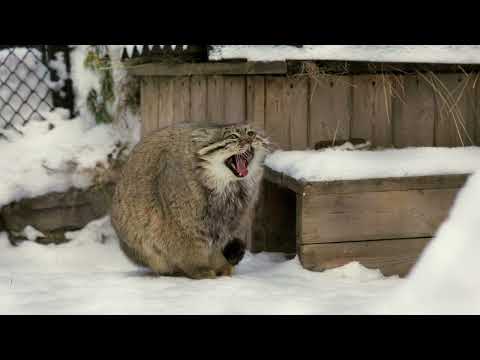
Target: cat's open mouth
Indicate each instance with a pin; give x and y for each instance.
(238, 163)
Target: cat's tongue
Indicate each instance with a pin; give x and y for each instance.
(241, 165)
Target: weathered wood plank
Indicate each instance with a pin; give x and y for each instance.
(284, 180)
(199, 105)
(414, 113)
(366, 185)
(216, 99)
(296, 107)
(387, 184)
(392, 257)
(242, 68)
(277, 125)
(375, 215)
(330, 109)
(165, 102)
(235, 100)
(454, 120)
(181, 96)
(149, 106)
(372, 110)
(256, 101)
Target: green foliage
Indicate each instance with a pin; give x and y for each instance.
(99, 104)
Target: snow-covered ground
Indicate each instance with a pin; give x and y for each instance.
(90, 275)
(337, 164)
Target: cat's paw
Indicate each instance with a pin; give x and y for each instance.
(226, 271)
(201, 274)
(234, 251)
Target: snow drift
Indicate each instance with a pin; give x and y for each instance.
(446, 278)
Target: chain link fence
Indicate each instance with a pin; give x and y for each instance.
(34, 79)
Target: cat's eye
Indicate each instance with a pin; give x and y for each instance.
(233, 137)
(251, 133)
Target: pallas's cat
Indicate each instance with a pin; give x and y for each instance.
(183, 198)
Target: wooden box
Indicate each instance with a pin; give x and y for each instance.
(381, 223)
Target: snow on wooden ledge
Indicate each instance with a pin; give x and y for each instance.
(332, 164)
(446, 54)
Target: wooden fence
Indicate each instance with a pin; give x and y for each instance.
(298, 112)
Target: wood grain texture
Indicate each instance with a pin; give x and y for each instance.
(388, 184)
(165, 102)
(296, 112)
(256, 101)
(181, 100)
(230, 68)
(414, 113)
(330, 112)
(366, 185)
(392, 257)
(235, 100)
(374, 215)
(216, 99)
(455, 112)
(372, 110)
(198, 102)
(149, 106)
(277, 125)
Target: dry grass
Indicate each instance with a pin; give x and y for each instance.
(393, 87)
(321, 76)
(450, 99)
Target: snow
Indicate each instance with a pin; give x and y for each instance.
(90, 275)
(445, 279)
(84, 80)
(126, 120)
(448, 54)
(32, 234)
(58, 64)
(47, 159)
(59, 153)
(337, 164)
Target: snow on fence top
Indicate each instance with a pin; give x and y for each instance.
(332, 164)
(444, 54)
